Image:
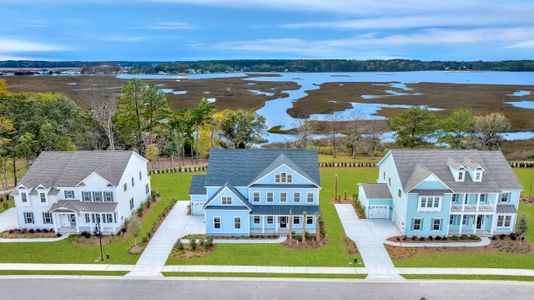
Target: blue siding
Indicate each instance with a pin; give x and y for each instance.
(227, 222)
(427, 217)
(270, 178)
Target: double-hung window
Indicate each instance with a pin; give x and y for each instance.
(140, 176)
(109, 218)
(86, 196)
(237, 222)
(28, 218)
(131, 203)
(269, 197)
(69, 194)
(461, 175)
(43, 197)
(309, 220)
(147, 189)
(416, 226)
(47, 218)
(257, 219)
(283, 177)
(296, 197)
(451, 220)
(226, 200)
(283, 197)
(309, 197)
(504, 221)
(270, 219)
(483, 198)
(125, 186)
(87, 218)
(296, 220)
(23, 197)
(428, 203)
(505, 197)
(133, 182)
(217, 222)
(256, 197)
(108, 196)
(436, 224)
(97, 196)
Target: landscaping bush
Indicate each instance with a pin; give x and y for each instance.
(404, 237)
(493, 238)
(139, 211)
(45, 230)
(473, 237)
(179, 246)
(209, 242)
(201, 242)
(455, 238)
(430, 238)
(502, 236)
(38, 230)
(422, 238)
(58, 234)
(464, 237)
(11, 231)
(31, 231)
(414, 238)
(438, 238)
(193, 244)
(398, 238)
(513, 237)
(444, 238)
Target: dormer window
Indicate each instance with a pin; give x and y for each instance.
(461, 175)
(478, 175)
(283, 177)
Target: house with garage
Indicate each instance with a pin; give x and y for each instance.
(258, 192)
(444, 192)
(76, 191)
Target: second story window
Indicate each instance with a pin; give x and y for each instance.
(28, 217)
(296, 197)
(283, 197)
(133, 183)
(140, 175)
(131, 203)
(43, 197)
(461, 175)
(455, 198)
(483, 198)
(125, 186)
(429, 203)
(283, 178)
(505, 197)
(269, 197)
(86, 196)
(108, 196)
(69, 194)
(97, 196)
(226, 200)
(478, 175)
(309, 198)
(256, 197)
(23, 197)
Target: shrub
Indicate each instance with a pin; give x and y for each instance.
(455, 238)
(397, 238)
(45, 230)
(139, 211)
(179, 246)
(513, 237)
(444, 238)
(193, 244)
(502, 236)
(31, 231)
(493, 238)
(11, 231)
(430, 237)
(58, 234)
(414, 238)
(473, 237)
(38, 230)
(404, 237)
(438, 238)
(209, 242)
(464, 237)
(422, 238)
(201, 242)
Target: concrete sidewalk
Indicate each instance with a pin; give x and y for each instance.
(484, 241)
(176, 225)
(35, 240)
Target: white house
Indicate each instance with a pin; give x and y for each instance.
(72, 192)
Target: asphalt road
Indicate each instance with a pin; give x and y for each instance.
(116, 289)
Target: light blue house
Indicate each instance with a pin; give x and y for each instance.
(444, 192)
(257, 192)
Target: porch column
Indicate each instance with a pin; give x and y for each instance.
(263, 224)
(54, 220)
(276, 220)
(91, 225)
(461, 223)
(464, 200)
(475, 223)
(478, 201)
(77, 223)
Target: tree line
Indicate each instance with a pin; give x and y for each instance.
(138, 117)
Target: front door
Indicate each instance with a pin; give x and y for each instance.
(283, 222)
(72, 220)
(480, 221)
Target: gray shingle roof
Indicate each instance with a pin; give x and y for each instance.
(197, 185)
(284, 209)
(84, 206)
(498, 175)
(241, 166)
(281, 185)
(68, 168)
(376, 191)
(506, 209)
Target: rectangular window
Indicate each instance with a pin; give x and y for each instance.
(256, 197)
(43, 197)
(237, 222)
(125, 186)
(257, 219)
(217, 222)
(226, 200)
(309, 220)
(87, 218)
(416, 224)
(454, 198)
(270, 220)
(133, 183)
(47, 218)
(283, 177)
(97, 218)
(28, 217)
(483, 198)
(505, 196)
(451, 220)
(97, 196)
(140, 176)
(93, 218)
(147, 189)
(461, 175)
(384, 176)
(24, 197)
(109, 218)
(108, 196)
(289, 178)
(464, 220)
(283, 197)
(296, 197)
(277, 178)
(296, 220)
(115, 217)
(429, 203)
(507, 221)
(69, 194)
(309, 197)
(104, 220)
(389, 181)
(86, 196)
(131, 204)
(399, 193)
(269, 197)
(436, 224)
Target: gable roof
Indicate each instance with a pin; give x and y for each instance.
(68, 168)
(241, 166)
(281, 160)
(376, 191)
(412, 165)
(197, 185)
(230, 187)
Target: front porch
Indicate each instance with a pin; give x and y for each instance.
(72, 216)
(281, 224)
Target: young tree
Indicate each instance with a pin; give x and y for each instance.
(27, 147)
(412, 126)
(521, 227)
(152, 152)
(241, 128)
(317, 227)
(305, 216)
(334, 126)
(305, 129)
(489, 131)
(456, 127)
(135, 229)
(202, 115)
(290, 224)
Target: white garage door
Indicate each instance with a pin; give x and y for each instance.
(378, 211)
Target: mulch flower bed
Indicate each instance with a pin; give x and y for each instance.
(28, 234)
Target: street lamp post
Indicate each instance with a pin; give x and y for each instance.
(99, 233)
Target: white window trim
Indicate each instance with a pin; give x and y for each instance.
(283, 193)
(272, 197)
(504, 221)
(220, 223)
(254, 220)
(254, 197)
(308, 196)
(41, 198)
(426, 208)
(226, 197)
(420, 223)
(434, 224)
(458, 179)
(296, 218)
(240, 223)
(478, 172)
(296, 193)
(267, 221)
(507, 198)
(22, 198)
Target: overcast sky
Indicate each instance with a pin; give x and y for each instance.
(228, 29)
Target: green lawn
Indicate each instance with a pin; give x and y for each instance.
(332, 254)
(526, 176)
(84, 273)
(67, 251)
(269, 275)
(344, 158)
(468, 277)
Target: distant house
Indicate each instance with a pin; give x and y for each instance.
(444, 192)
(256, 191)
(72, 192)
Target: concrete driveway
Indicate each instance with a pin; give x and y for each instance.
(176, 225)
(369, 236)
(8, 219)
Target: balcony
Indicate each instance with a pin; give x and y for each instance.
(471, 208)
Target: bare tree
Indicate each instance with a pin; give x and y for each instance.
(334, 125)
(355, 131)
(374, 137)
(305, 129)
(100, 93)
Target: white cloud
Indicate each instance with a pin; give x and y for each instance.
(170, 26)
(524, 44)
(135, 38)
(9, 45)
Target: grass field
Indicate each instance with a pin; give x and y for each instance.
(68, 251)
(332, 254)
(468, 277)
(266, 275)
(80, 273)
(345, 158)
